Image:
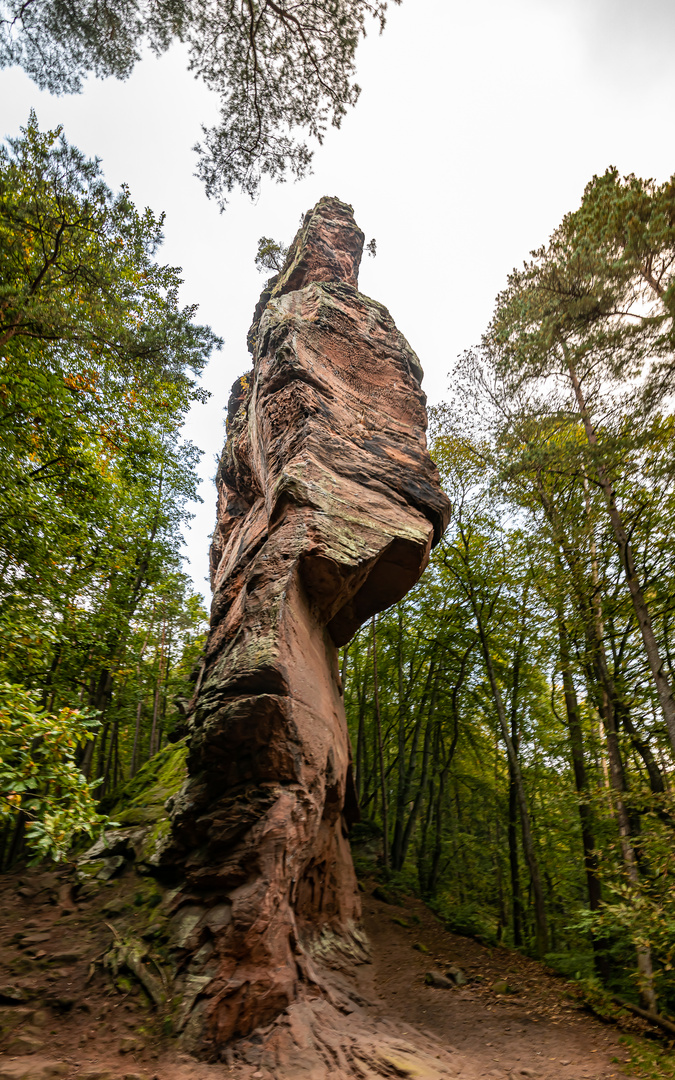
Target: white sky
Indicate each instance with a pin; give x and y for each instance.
(477, 129)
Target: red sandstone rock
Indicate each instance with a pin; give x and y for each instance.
(328, 505)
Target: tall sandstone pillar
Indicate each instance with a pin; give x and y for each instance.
(328, 506)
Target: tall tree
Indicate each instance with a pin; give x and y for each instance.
(97, 371)
(577, 326)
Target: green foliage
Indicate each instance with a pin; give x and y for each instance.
(556, 453)
(39, 777)
(270, 255)
(98, 366)
(276, 68)
(648, 1061)
(643, 913)
(78, 271)
(572, 965)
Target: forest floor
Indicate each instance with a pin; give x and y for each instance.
(61, 1015)
(538, 1029)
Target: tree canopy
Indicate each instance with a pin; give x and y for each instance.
(97, 371)
(279, 68)
(519, 750)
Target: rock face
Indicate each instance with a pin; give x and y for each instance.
(328, 505)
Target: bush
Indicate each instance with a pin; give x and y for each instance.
(40, 782)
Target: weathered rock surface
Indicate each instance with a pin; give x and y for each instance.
(328, 505)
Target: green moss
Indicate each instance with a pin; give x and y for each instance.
(88, 871)
(141, 800)
(386, 896)
(148, 895)
(154, 840)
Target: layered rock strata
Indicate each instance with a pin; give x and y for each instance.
(328, 506)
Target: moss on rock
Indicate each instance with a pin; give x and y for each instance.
(141, 801)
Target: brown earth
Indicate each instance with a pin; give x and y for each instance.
(538, 1029)
(63, 1014)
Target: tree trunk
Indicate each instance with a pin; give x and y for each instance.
(422, 786)
(644, 959)
(514, 867)
(434, 872)
(153, 746)
(579, 767)
(407, 770)
(656, 666)
(380, 751)
(541, 929)
(656, 781)
(360, 682)
(135, 753)
(401, 752)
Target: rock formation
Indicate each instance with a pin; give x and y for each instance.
(328, 505)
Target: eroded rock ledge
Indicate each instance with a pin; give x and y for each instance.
(328, 505)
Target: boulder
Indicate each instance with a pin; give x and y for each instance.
(439, 982)
(24, 1043)
(457, 975)
(10, 992)
(36, 1069)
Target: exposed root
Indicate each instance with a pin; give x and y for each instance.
(130, 954)
(313, 1040)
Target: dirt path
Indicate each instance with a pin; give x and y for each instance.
(60, 1015)
(536, 1030)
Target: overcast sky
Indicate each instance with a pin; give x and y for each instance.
(477, 129)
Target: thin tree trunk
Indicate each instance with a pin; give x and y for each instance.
(87, 757)
(406, 775)
(343, 668)
(656, 666)
(579, 767)
(402, 784)
(152, 749)
(165, 694)
(137, 735)
(644, 958)
(116, 763)
(378, 728)
(541, 929)
(516, 901)
(153, 730)
(514, 869)
(503, 919)
(361, 743)
(108, 764)
(656, 781)
(423, 784)
(443, 774)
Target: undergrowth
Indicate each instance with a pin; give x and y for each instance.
(648, 1060)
